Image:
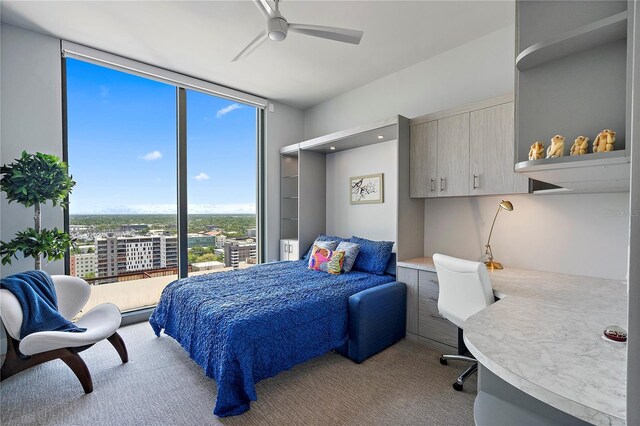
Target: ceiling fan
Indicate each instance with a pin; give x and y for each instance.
(277, 28)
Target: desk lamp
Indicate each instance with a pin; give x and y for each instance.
(490, 263)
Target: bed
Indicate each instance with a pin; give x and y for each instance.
(247, 325)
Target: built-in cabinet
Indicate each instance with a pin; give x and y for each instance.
(453, 155)
(289, 182)
(424, 160)
(491, 152)
(303, 187)
(468, 151)
(424, 322)
(289, 250)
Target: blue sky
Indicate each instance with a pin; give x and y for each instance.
(122, 146)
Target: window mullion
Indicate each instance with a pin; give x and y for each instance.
(181, 143)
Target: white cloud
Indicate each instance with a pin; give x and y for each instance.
(151, 156)
(201, 176)
(226, 110)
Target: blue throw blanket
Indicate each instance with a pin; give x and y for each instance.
(37, 296)
(244, 326)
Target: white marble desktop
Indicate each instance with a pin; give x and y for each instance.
(545, 338)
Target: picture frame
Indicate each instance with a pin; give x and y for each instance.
(367, 189)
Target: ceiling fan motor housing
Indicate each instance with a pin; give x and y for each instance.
(277, 28)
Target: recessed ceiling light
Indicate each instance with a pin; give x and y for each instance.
(332, 148)
(380, 137)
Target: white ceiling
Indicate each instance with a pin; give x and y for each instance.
(199, 38)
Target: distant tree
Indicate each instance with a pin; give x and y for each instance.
(207, 257)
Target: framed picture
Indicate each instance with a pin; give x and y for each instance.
(367, 189)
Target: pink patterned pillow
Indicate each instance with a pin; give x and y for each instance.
(323, 259)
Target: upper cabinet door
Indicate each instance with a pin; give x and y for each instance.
(424, 160)
(453, 155)
(492, 152)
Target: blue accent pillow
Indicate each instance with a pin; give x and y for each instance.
(391, 268)
(373, 256)
(351, 251)
(323, 237)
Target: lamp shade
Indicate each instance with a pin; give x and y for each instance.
(506, 205)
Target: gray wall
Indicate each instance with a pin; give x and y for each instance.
(574, 234)
(477, 70)
(563, 233)
(373, 221)
(283, 127)
(31, 120)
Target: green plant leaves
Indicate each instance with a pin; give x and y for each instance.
(36, 179)
(50, 243)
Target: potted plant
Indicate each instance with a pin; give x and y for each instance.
(32, 180)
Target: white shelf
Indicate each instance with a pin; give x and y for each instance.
(588, 36)
(599, 172)
(368, 134)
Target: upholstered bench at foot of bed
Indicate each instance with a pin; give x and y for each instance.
(377, 319)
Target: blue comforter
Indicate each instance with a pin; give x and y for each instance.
(244, 326)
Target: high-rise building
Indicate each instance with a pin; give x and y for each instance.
(117, 255)
(83, 264)
(220, 239)
(238, 250)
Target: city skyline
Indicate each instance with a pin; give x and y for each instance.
(122, 147)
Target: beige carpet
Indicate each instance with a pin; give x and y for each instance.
(403, 385)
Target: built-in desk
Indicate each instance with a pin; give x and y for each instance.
(544, 338)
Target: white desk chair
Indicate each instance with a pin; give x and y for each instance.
(464, 290)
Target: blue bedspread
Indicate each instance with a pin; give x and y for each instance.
(244, 326)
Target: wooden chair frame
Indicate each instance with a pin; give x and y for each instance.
(16, 362)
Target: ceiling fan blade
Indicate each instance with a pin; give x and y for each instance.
(338, 34)
(265, 8)
(251, 46)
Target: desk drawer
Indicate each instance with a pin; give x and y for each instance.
(430, 323)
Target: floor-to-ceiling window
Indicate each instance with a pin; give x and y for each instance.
(221, 159)
(123, 143)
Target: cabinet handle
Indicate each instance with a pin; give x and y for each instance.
(476, 181)
(443, 182)
(433, 185)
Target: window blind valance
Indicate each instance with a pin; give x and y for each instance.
(99, 57)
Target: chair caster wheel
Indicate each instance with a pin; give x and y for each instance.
(457, 386)
(443, 361)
